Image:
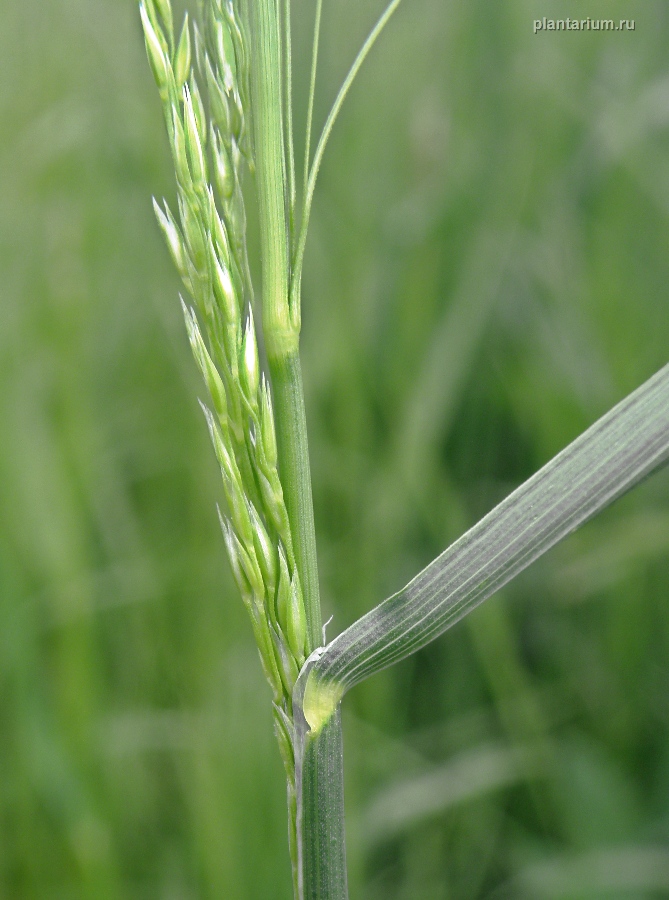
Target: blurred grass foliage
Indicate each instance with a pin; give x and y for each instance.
(487, 272)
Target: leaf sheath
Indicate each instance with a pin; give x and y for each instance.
(321, 820)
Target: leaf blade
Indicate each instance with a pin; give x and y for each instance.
(619, 450)
(313, 170)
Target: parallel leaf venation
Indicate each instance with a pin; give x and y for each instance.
(614, 454)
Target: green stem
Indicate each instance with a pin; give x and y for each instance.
(281, 335)
(318, 821)
(323, 845)
(291, 433)
(280, 331)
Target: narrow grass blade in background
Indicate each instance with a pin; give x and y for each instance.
(634, 870)
(617, 452)
(469, 776)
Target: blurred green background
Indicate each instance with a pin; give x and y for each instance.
(487, 272)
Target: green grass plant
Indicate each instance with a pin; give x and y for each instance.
(244, 55)
(485, 276)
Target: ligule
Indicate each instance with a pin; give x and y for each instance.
(207, 242)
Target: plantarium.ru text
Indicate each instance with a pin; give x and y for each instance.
(586, 24)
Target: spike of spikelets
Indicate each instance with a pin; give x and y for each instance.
(207, 242)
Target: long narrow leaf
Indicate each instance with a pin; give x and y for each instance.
(312, 92)
(327, 131)
(288, 88)
(615, 453)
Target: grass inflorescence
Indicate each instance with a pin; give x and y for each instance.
(211, 149)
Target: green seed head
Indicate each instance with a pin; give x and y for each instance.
(183, 172)
(182, 57)
(172, 237)
(196, 158)
(152, 16)
(193, 233)
(223, 287)
(218, 100)
(237, 156)
(232, 482)
(207, 368)
(165, 10)
(208, 245)
(200, 49)
(271, 673)
(236, 115)
(296, 630)
(238, 38)
(265, 550)
(246, 573)
(225, 176)
(290, 611)
(283, 728)
(249, 564)
(236, 216)
(273, 504)
(225, 52)
(286, 663)
(218, 230)
(250, 368)
(283, 591)
(232, 339)
(156, 50)
(267, 432)
(198, 109)
(231, 545)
